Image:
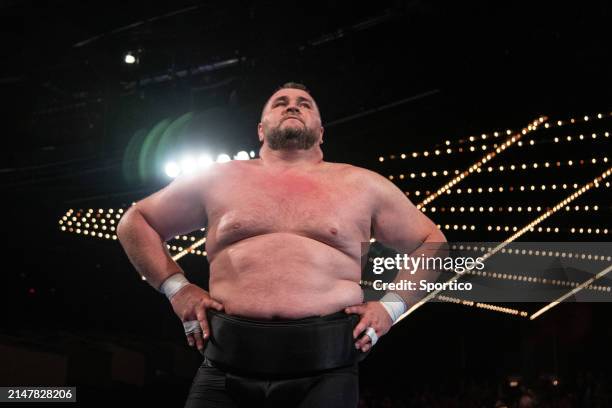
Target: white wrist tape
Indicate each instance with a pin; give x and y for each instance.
(173, 284)
(394, 304)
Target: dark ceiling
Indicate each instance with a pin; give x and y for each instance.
(386, 74)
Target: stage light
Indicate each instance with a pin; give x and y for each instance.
(241, 155)
(172, 169)
(204, 160)
(223, 158)
(129, 58)
(188, 165)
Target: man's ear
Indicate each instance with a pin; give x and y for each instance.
(322, 131)
(260, 132)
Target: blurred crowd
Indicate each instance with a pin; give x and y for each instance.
(585, 390)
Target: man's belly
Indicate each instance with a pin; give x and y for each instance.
(285, 276)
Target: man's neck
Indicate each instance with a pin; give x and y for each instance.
(291, 158)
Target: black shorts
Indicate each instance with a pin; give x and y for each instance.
(335, 388)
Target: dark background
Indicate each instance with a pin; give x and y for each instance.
(389, 77)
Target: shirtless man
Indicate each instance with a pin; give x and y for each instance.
(284, 235)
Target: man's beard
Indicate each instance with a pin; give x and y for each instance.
(290, 138)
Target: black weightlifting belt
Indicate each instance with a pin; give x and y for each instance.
(281, 347)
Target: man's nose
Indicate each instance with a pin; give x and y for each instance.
(293, 109)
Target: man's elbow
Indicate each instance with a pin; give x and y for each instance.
(134, 224)
(125, 224)
(439, 235)
(435, 235)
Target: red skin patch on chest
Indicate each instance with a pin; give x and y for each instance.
(291, 186)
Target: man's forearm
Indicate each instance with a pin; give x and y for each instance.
(145, 249)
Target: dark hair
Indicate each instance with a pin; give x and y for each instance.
(294, 85)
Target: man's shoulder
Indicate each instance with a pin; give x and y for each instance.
(355, 172)
(230, 169)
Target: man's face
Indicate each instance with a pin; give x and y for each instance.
(290, 121)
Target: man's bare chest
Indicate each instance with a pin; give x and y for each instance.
(329, 210)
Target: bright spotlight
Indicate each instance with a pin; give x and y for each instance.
(129, 58)
(188, 165)
(223, 158)
(241, 155)
(172, 169)
(252, 153)
(204, 160)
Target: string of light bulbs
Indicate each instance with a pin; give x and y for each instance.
(487, 249)
(501, 189)
(536, 279)
(484, 147)
(481, 305)
(484, 136)
(504, 209)
(501, 168)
